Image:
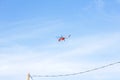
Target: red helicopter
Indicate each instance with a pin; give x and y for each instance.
(62, 38)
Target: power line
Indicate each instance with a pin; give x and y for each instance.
(77, 73)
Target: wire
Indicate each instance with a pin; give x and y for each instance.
(90, 70)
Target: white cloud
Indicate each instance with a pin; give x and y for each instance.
(36, 63)
(89, 45)
(97, 5)
(29, 30)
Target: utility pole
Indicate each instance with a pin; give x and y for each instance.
(28, 76)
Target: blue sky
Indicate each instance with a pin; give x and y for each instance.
(29, 31)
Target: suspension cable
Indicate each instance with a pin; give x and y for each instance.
(77, 73)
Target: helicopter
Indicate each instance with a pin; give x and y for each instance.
(63, 38)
